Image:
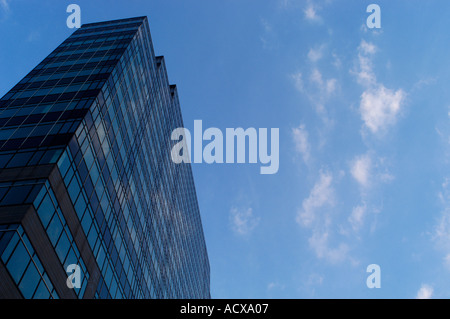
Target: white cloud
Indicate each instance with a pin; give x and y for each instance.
(425, 292)
(298, 81)
(315, 216)
(386, 177)
(380, 107)
(33, 36)
(356, 218)
(337, 63)
(316, 85)
(321, 195)
(316, 54)
(243, 221)
(319, 243)
(316, 77)
(317, 89)
(275, 285)
(369, 171)
(302, 146)
(373, 32)
(444, 194)
(314, 279)
(284, 3)
(361, 169)
(5, 5)
(266, 25)
(441, 233)
(447, 261)
(268, 37)
(367, 47)
(271, 285)
(442, 230)
(311, 13)
(326, 87)
(364, 72)
(331, 85)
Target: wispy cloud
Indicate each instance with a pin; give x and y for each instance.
(356, 218)
(315, 54)
(298, 81)
(269, 36)
(311, 13)
(364, 71)
(447, 261)
(284, 3)
(441, 231)
(275, 285)
(319, 242)
(316, 77)
(315, 216)
(4, 5)
(302, 145)
(441, 234)
(33, 36)
(379, 106)
(321, 195)
(425, 292)
(316, 83)
(337, 63)
(369, 171)
(367, 47)
(361, 169)
(373, 32)
(317, 89)
(243, 221)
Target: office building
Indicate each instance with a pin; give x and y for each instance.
(86, 176)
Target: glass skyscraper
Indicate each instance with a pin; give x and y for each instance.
(86, 175)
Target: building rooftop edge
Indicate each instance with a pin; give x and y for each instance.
(114, 21)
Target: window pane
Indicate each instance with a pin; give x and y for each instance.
(41, 292)
(20, 159)
(4, 159)
(18, 262)
(5, 237)
(46, 210)
(72, 259)
(54, 229)
(29, 281)
(33, 194)
(16, 195)
(3, 191)
(63, 164)
(9, 249)
(63, 246)
(39, 197)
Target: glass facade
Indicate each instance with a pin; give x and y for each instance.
(86, 176)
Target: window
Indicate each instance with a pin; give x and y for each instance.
(63, 246)
(16, 195)
(24, 266)
(59, 234)
(20, 159)
(29, 281)
(54, 229)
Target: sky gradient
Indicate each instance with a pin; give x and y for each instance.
(364, 134)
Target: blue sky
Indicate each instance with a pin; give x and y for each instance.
(364, 134)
